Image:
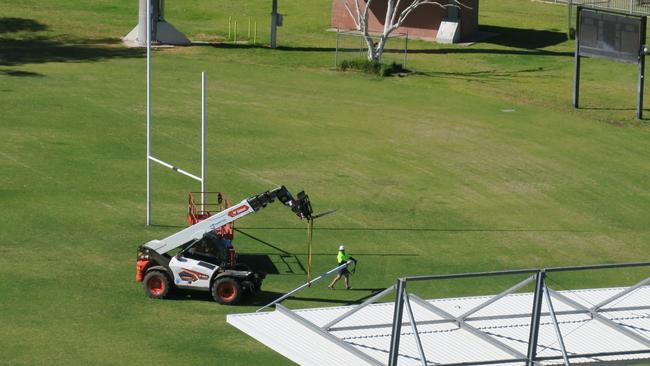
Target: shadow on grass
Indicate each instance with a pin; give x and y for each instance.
(18, 73)
(610, 109)
(530, 39)
(33, 48)
(168, 226)
(525, 230)
(12, 25)
(520, 41)
(437, 51)
(265, 297)
(286, 254)
(482, 75)
(42, 49)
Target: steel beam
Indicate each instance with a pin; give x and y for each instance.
(313, 327)
(491, 317)
(358, 307)
(619, 295)
(556, 326)
(473, 274)
(612, 324)
(597, 266)
(496, 298)
(471, 329)
(423, 358)
(398, 312)
(535, 318)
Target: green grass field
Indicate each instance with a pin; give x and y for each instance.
(428, 173)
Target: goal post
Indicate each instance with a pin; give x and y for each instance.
(150, 157)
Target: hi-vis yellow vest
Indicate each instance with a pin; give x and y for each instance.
(342, 257)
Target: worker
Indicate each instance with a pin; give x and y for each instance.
(342, 258)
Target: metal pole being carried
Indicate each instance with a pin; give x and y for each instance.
(306, 284)
(148, 111)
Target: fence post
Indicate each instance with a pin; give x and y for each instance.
(274, 22)
(229, 24)
(336, 53)
(576, 65)
(406, 49)
(398, 312)
(639, 103)
(569, 17)
(535, 317)
(360, 46)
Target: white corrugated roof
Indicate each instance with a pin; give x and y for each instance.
(506, 321)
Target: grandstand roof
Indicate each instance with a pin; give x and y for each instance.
(503, 327)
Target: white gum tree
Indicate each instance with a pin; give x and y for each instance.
(396, 13)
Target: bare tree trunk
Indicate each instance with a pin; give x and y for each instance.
(379, 51)
(393, 20)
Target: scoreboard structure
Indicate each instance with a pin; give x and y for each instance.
(611, 35)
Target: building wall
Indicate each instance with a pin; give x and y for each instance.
(422, 23)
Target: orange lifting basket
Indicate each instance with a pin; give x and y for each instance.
(197, 212)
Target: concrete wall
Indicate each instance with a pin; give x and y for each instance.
(422, 23)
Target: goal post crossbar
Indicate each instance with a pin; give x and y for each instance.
(175, 168)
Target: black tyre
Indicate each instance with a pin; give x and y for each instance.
(226, 291)
(249, 288)
(156, 285)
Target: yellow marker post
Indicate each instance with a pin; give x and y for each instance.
(310, 236)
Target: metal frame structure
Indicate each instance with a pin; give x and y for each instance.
(640, 58)
(627, 6)
(542, 292)
(543, 295)
(150, 157)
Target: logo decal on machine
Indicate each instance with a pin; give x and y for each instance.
(188, 275)
(238, 211)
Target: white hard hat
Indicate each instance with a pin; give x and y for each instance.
(341, 247)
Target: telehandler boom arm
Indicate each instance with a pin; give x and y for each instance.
(299, 205)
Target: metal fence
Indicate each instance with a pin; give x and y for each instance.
(351, 45)
(542, 280)
(638, 7)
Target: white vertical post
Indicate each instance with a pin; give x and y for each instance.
(148, 112)
(203, 140)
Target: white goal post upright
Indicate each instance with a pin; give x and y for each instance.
(203, 141)
(151, 158)
(149, 16)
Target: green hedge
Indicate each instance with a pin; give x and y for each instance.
(373, 67)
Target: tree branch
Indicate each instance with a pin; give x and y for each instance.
(356, 19)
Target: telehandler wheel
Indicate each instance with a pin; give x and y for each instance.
(156, 285)
(226, 291)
